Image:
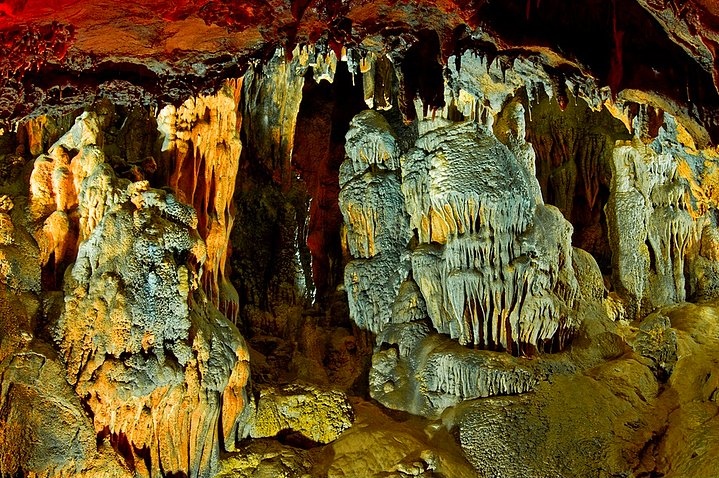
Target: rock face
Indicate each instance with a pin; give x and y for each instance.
(425, 373)
(377, 227)
(162, 371)
(523, 436)
(44, 430)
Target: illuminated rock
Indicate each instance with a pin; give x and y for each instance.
(158, 365)
(318, 415)
(201, 146)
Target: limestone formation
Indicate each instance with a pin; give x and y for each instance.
(201, 146)
(378, 232)
(266, 458)
(425, 373)
(660, 219)
(404, 448)
(525, 436)
(161, 369)
(502, 277)
(493, 265)
(44, 430)
(507, 239)
(318, 415)
(657, 341)
(272, 96)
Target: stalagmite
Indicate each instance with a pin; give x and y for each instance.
(656, 215)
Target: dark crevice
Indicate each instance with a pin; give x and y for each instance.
(323, 121)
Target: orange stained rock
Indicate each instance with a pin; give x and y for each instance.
(202, 151)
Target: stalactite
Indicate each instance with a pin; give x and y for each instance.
(474, 207)
(202, 149)
(272, 95)
(367, 69)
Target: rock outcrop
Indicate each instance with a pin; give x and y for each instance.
(318, 415)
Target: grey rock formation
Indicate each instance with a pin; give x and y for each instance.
(657, 341)
(660, 220)
(425, 373)
(494, 266)
(377, 225)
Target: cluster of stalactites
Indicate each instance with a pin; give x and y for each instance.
(660, 209)
(201, 144)
(494, 266)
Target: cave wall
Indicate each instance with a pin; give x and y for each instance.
(216, 265)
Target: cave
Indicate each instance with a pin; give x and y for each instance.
(359, 238)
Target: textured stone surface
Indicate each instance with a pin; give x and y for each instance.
(318, 415)
(493, 265)
(578, 426)
(201, 148)
(425, 373)
(409, 448)
(44, 428)
(377, 225)
(489, 110)
(161, 369)
(267, 459)
(659, 218)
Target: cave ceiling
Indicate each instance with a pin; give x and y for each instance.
(61, 51)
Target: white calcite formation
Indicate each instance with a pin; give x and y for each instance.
(493, 265)
(378, 231)
(661, 220)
